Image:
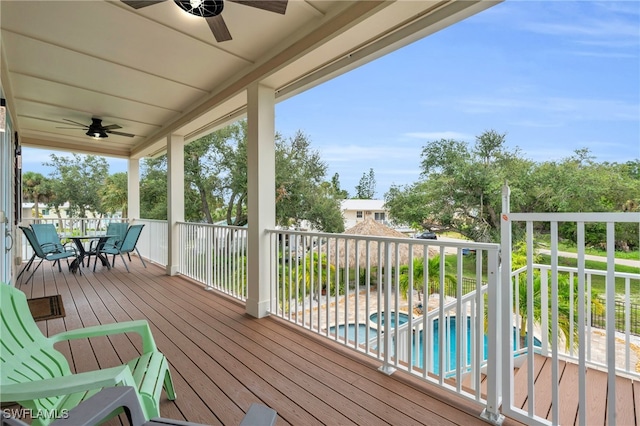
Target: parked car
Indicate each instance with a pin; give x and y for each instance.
(427, 235)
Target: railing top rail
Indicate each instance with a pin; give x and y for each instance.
(152, 220)
(407, 240)
(618, 274)
(575, 217)
(211, 225)
(448, 306)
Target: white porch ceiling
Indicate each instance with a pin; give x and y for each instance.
(158, 70)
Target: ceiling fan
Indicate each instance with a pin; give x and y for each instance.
(211, 10)
(97, 130)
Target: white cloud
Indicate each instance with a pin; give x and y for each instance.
(569, 108)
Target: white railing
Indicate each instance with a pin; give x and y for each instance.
(366, 293)
(67, 227)
(154, 240)
(375, 296)
(215, 256)
(555, 304)
(594, 306)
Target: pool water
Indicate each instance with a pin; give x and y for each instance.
(402, 319)
(450, 361)
(418, 354)
(351, 332)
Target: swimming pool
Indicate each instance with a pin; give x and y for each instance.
(418, 349)
(402, 318)
(450, 335)
(351, 332)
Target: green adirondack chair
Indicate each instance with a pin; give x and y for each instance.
(37, 376)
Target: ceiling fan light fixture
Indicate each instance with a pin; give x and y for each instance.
(97, 133)
(202, 8)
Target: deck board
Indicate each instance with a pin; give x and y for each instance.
(625, 413)
(569, 397)
(222, 360)
(596, 396)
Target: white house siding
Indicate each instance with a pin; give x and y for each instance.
(355, 211)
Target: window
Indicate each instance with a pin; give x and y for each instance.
(45, 212)
(359, 214)
(379, 216)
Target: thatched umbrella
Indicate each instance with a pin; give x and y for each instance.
(373, 249)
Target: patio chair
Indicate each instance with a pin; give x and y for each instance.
(119, 229)
(127, 245)
(94, 410)
(48, 238)
(38, 251)
(37, 376)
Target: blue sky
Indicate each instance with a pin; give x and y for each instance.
(555, 76)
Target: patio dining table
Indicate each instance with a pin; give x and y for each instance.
(95, 251)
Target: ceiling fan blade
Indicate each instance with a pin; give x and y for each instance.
(111, 132)
(75, 122)
(72, 128)
(139, 4)
(218, 28)
(111, 126)
(277, 6)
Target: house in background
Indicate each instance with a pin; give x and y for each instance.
(49, 213)
(355, 211)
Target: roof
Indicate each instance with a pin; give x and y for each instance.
(357, 204)
(368, 251)
(374, 228)
(158, 71)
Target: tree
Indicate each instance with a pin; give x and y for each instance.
(366, 188)
(203, 174)
(78, 180)
(114, 194)
(34, 188)
(433, 276)
(460, 186)
(335, 183)
(301, 191)
(563, 300)
(216, 182)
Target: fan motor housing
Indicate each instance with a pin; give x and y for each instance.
(204, 8)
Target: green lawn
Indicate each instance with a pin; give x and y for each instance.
(571, 248)
(598, 282)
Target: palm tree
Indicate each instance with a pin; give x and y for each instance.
(563, 301)
(433, 273)
(32, 189)
(317, 269)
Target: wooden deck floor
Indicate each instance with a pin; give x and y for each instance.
(223, 360)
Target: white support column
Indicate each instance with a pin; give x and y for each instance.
(175, 198)
(261, 203)
(133, 189)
